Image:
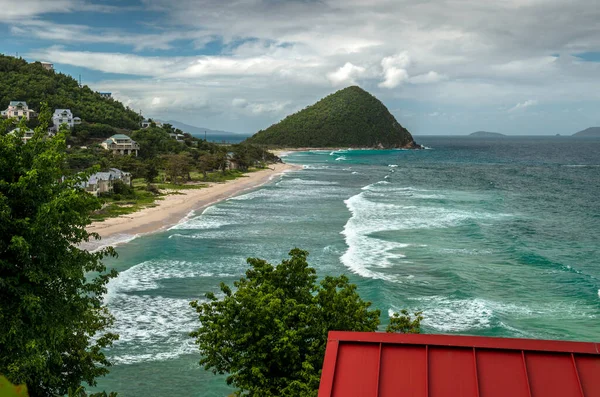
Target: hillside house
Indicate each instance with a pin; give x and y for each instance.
(177, 137)
(27, 135)
(64, 116)
(106, 95)
(103, 182)
(121, 144)
(18, 110)
(47, 65)
(120, 175)
(147, 123)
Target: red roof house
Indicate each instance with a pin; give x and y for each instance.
(372, 364)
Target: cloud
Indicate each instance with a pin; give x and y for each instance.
(24, 10)
(394, 70)
(524, 105)
(73, 33)
(109, 62)
(427, 78)
(346, 75)
(280, 56)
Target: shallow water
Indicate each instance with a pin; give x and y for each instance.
(494, 237)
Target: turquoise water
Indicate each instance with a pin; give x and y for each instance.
(493, 237)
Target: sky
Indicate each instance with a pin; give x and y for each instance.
(526, 67)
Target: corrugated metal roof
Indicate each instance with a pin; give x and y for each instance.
(371, 364)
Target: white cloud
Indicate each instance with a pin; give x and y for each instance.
(346, 75)
(427, 78)
(73, 33)
(394, 70)
(109, 62)
(239, 102)
(523, 105)
(27, 9)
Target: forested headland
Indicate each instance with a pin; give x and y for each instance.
(350, 117)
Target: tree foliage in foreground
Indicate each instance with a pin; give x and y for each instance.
(270, 335)
(52, 318)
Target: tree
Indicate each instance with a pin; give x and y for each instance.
(270, 334)
(178, 165)
(151, 170)
(402, 323)
(52, 318)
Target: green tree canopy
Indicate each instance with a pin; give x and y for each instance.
(52, 318)
(270, 334)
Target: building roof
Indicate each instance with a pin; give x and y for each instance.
(119, 136)
(15, 103)
(18, 129)
(56, 111)
(117, 173)
(370, 364)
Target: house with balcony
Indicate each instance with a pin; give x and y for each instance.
(64, 116)
(106, 95)
(27, 134)
(18, 110)
(121, 144)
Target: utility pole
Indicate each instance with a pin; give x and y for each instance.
(79, 81)
(204, 135)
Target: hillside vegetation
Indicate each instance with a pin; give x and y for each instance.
(350, 117)
(30, 82)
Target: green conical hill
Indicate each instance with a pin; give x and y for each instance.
(347, 118)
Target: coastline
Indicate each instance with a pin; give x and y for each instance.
(173, 208)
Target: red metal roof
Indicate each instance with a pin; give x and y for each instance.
(372, 364)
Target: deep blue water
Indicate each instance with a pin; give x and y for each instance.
(497, 237)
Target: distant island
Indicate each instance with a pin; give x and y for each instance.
(350, 117)
(199, 131)
(486, 134)
(211, 135)
(592, 131)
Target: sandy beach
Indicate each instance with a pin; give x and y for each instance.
(173, 208)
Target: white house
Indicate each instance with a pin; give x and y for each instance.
(27, 135)
(106, 95)
(148, 122)
(177, 137)
(103, 182)
(64, 116)
(121, 144)
(47, 65)
(120, 175)
(19, 110)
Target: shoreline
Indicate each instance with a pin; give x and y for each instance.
(174, 208)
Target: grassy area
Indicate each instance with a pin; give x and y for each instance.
(116, 206)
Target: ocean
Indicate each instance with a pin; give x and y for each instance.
(494, 237)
